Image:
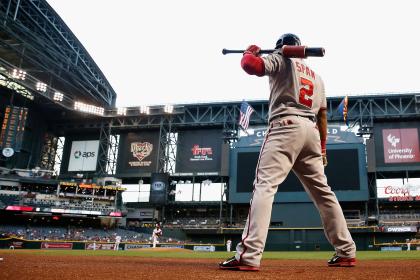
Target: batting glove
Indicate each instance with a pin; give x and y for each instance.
(253, 49)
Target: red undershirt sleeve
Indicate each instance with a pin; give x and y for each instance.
(253, 65)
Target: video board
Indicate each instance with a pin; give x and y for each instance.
(138, 153)
(346, 174)
(199, 151)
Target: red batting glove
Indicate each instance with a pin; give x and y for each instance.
(253, 49)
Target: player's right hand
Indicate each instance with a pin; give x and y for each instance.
(253, 49)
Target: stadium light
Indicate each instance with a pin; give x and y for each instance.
(144, 110)
(41, 87)
(19, 74)
(122, 111)
(58, 96)
(79, 106)
(168, 109)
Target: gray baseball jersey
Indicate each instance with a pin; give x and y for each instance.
(295, 88)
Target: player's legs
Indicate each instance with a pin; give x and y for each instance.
(277, 155)
(310, 171)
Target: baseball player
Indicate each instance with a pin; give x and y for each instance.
(157, 232)
(295, 140)
(228, 245)
(117, 242)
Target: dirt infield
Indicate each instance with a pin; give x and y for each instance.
(35, 266)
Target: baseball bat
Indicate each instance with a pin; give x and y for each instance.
(288, 51)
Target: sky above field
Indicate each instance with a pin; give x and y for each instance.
(159, 52)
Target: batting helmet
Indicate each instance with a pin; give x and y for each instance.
(287, 39)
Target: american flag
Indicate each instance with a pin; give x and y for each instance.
(245, 114)
(343, 109)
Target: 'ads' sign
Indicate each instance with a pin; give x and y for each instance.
(401, 145)
(83, 155)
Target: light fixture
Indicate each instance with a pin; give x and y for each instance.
(144, 110)
(88, 108)
(181, 182)
(122, 111)
(58, 96)
(173, 183)
(41, 87)
(187, 182)
(168, 109)
(19, 74)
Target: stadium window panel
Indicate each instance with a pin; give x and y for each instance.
(212, 192)
(184, 192)
(136, 193)
(197, 192)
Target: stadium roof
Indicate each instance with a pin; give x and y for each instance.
(35, 39)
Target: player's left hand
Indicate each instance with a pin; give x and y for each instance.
(324, 159)
(253, 49)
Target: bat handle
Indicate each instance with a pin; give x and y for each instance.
(226, 51)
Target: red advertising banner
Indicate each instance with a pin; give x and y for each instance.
(401, 145)
(57, 245)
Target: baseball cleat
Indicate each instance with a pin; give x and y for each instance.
(233, 264)
(337, 261)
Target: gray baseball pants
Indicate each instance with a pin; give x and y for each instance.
(291, 143)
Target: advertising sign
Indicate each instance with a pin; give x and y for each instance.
(158, 185)
(200, 248)
(99, 246)
(83, 155)
(138, 153)
(399, 189)
(56, 245)
(397, 146)
(400, 229)
(137, 246)
(199, 151)
(401, 145)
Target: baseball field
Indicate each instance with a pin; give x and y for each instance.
(184, 264)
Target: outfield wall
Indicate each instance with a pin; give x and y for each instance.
(278, 239)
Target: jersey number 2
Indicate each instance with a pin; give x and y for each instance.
(305, 93)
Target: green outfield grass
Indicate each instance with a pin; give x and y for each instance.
(361, 255)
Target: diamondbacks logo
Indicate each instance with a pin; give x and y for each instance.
(140, 151)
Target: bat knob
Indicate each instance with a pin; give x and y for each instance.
(224, 51)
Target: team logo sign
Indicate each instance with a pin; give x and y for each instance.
(140, 151)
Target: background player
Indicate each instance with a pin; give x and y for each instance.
(117, 242)
(157, 232)
(295, 140)
(228, 245)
